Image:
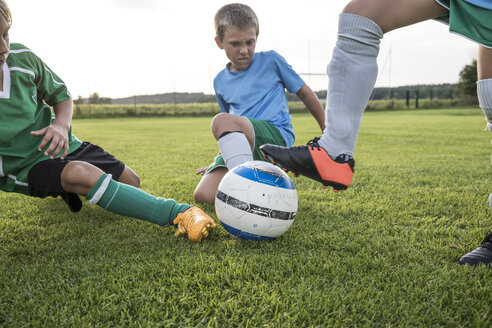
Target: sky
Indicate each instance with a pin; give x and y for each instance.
(121, 48)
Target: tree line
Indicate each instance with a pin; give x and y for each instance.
(464, 89)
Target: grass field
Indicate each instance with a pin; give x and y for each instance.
(381, 254)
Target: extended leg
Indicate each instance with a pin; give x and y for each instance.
(99, 188)
(352, 73)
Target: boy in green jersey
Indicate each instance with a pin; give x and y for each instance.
(40, 157)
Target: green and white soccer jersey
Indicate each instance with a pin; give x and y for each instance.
(29, 89)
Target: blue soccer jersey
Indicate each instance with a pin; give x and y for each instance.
(259, 91)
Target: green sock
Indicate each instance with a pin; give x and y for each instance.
(129, 201)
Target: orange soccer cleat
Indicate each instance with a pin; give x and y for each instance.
(195, 223)
(313, 162)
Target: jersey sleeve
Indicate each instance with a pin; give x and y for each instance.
(49, 86)
(224, 107)
(292, 81)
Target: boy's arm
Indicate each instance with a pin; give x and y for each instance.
(313, 104)
(57, 132)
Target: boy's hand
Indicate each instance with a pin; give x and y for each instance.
(202, 170)
(58, 134)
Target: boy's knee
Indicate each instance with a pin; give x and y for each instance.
(224, 122)
(78, 173)
(202, 197)
(219, 120)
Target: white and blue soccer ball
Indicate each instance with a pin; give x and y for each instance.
(257, 201)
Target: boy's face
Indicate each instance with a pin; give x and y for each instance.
(239, 46)
(4, 41)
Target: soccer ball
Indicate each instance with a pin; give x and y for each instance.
(257, 201)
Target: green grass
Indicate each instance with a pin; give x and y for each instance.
(381, 254)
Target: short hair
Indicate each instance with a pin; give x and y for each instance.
(235, 15)
(5, 12)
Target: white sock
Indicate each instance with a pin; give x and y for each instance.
(352, 74)
(235, 149)
(484, 92)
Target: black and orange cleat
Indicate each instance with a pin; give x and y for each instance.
(313, 162)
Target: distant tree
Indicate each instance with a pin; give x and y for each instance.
(96, 99)
(79, 100)
(468, 79)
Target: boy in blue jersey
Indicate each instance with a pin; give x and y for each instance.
(352, 74)
(40, 157)
(251, 95)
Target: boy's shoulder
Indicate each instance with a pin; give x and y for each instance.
(23, 57)
(271, 54)
(18, 48)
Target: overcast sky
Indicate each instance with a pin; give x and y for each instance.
(119, 48)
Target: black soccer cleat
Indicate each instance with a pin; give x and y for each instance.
(480, 255)
(313, 162)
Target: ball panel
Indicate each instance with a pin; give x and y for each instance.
(243, 234)
(265, 174)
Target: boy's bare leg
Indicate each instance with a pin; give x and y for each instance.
(484, 63)
(207, 187)
(392, 14)
(129, 177)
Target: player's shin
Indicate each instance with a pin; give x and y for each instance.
(123, 199)
(352, 73)
(235, 148)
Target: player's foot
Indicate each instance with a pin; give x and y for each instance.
(480, 255)
(195, 223)
(313, 162)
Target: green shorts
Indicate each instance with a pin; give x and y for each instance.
(470, 21)
(265, 133)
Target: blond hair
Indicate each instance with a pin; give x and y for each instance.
(235, 15)
(5, 12)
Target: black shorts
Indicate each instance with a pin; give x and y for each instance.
(44, 178)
